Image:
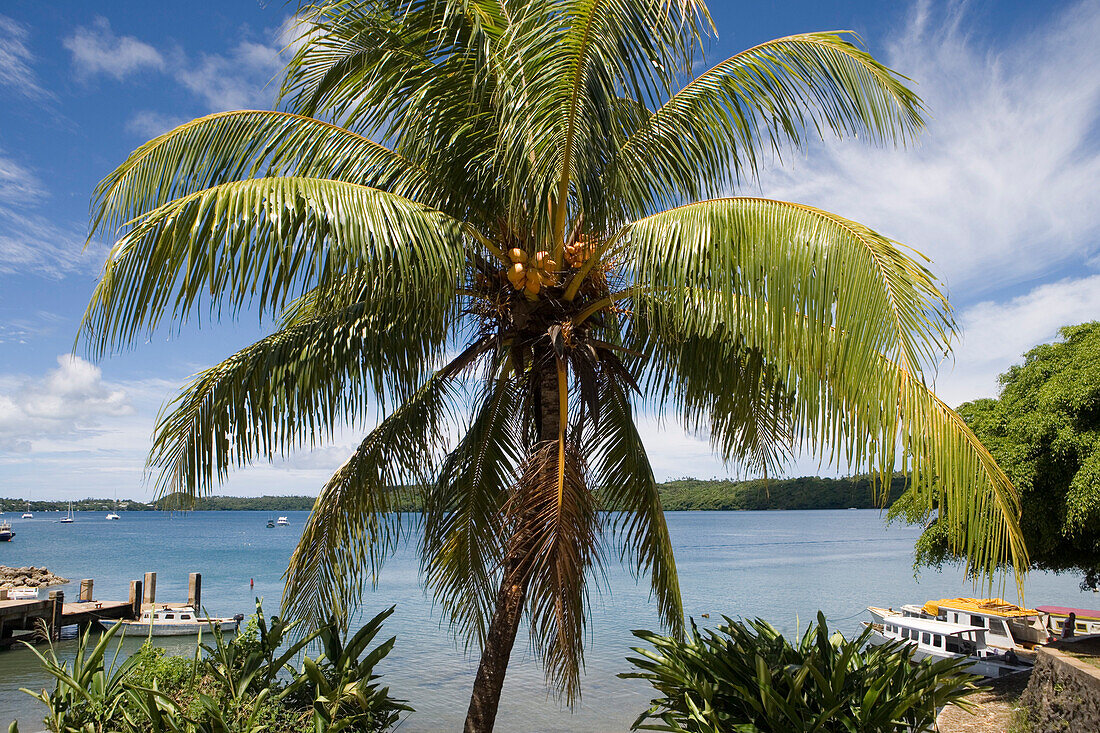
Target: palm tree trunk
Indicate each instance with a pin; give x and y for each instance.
(485, 698)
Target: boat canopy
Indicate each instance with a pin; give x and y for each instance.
(1082, 614)
(987, 606)
(930, 625)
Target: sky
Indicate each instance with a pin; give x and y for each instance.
(999, 191)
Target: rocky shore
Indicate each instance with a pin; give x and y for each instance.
(31, 577)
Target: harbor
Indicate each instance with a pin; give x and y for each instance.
(35, 620)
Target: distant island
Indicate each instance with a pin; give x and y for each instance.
(807, 492)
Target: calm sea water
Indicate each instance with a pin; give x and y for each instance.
(782, 566)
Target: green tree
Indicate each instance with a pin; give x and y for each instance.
(1044, 430)
(498, 213)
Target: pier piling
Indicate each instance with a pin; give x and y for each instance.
(135, 598)
(86, 586)
(194, 592)
(150, 589)
(57, 597)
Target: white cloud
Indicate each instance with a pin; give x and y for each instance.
(241, 79)
(1001, 185)
(30, 242)
(97, 50)
(148, 124)
(66, 401)
(17, 184)
(34, 244)
(995, 335)
(16, 58)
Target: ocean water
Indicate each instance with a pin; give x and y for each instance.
(782, 566)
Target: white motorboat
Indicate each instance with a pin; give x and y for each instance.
(282, 522)
(112, 515)
(942, 640)
(174, 621)
(6, 533)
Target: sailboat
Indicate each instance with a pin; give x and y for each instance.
(114, 512)
(68, 519)
(27, 514)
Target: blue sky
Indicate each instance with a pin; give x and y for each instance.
(1000, 192)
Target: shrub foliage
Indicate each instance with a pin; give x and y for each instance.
(246, 684)
(746, 677)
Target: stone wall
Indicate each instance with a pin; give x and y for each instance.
(1063, 694)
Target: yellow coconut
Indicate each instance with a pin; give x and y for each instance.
(516, 275)
(517, 255)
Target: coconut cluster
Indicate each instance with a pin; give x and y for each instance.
(531, 272)
(577, 253)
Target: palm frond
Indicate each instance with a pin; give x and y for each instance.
(464, 531)
(878, 417)
(730, 393)
(419, 76)
(260, 242)
(709, 135)
(291, 389)
(563, 71)
(242, 144)
(556, 533)
(751, 265)
(352, 528)
(623, 479)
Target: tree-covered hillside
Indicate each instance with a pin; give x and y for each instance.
(807, 492)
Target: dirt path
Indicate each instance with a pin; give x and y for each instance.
(994, 707)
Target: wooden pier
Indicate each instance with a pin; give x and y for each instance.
(34, 619)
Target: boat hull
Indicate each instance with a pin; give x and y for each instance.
(141, 628)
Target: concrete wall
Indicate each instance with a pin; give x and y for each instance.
(1063, 694)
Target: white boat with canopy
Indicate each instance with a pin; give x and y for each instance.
(942, 640)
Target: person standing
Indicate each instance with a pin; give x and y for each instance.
(1069, 627)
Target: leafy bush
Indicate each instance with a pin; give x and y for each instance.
(746, 677)
(242, 685)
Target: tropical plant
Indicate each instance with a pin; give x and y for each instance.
(241, 685)
(344, 690)
(89, 692)
(251, 663)
(748, 678)
(496, 213)
(1044, 430)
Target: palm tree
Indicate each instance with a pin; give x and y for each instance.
(493, 219)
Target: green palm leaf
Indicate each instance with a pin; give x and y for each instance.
(243, 144)
(623, 478)
(462, 548)
(710, 134)
(292, 388)
(352, 527)
(260, 241)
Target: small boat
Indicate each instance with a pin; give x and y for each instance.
(1086, 621)
(23, 594)
(27, 514)
(282, 522)
(271, 524)
(68, 518)
(112, 515)
(1007, 625)
(174, 621)
(6, 533)
(942, 640)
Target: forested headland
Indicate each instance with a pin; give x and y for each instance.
(806, 492)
